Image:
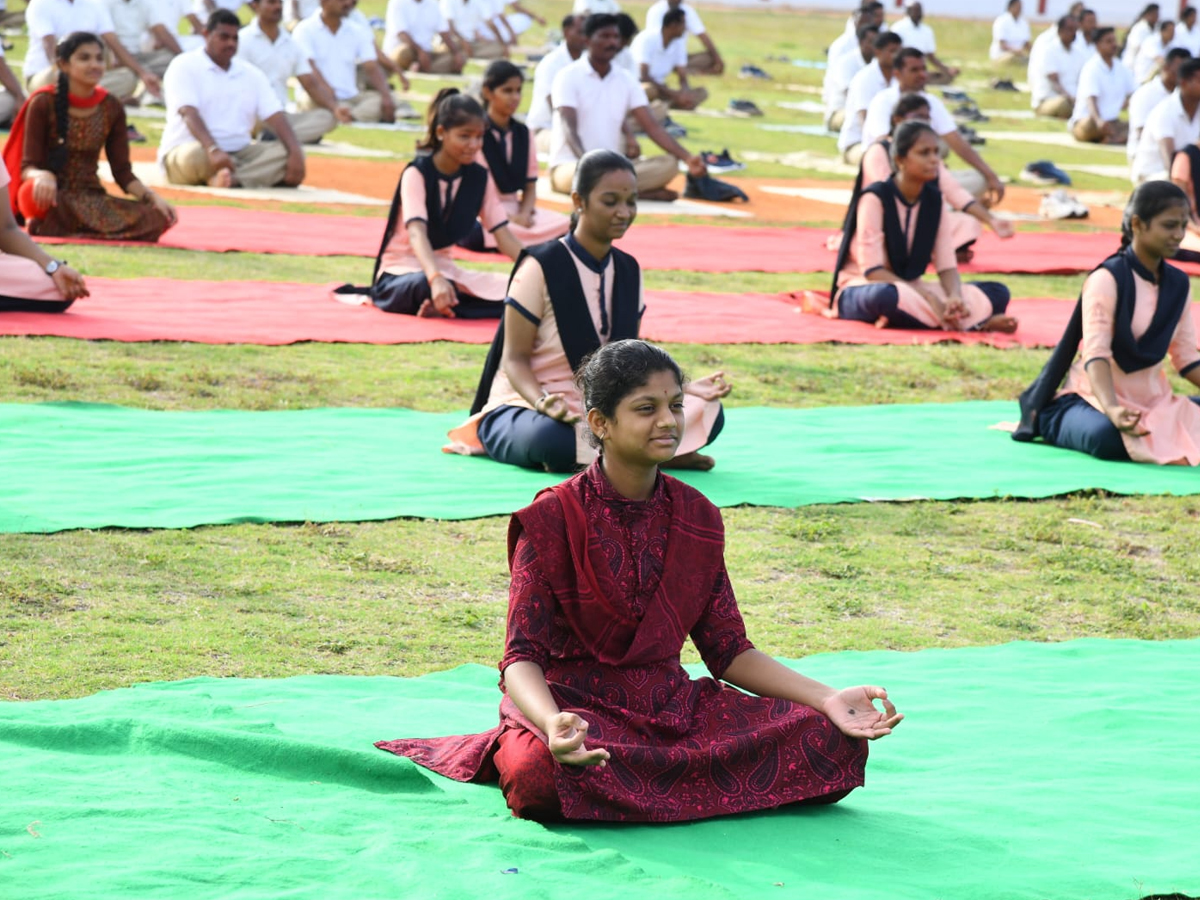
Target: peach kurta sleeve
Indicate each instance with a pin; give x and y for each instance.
(1099, 310)
(957, 196)
(531, 173)
(413, 201)
(492, 214)
(1181, 174)
(876, 166)
(945, 255)
(1182, 350)
(869, 249)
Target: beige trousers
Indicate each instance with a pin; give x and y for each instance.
(365, 106)
(1056, 108)
(312, 124)
(974, 183)
(155, 60)
(653, 173)
(937, 76)
(441, 60)
(486, 50)
(1088, 132)
(121, 83)
(1011, 59)
(852, 156)
(700, 63)
(541, 140)
(836, 120)
(691, 98)
(260, 164)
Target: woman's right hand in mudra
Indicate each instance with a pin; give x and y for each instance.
(556, 407)
(565, 733)
(443, 296)
(1127, 421)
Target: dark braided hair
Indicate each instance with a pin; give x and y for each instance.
(1149, 200)
(57, 158)
(449, 109)
(616, 370)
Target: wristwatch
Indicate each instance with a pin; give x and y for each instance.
(53, 266)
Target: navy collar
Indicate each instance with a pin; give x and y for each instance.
(1139, 267)
(597, 266)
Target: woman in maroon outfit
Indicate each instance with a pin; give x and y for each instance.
(611, 571)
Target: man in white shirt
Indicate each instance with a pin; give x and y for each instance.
(841, 71)
(910, 78)
(418, 36)
(133, 20)
(917, 34)
(541, 114)
(709, 61)
(473, 25)
(1054, 66)
(869, 14)
(50, 21)
(339, 49)
(11, 93)
(1104, 89)
(1151, 53)
(1172, 125)
(873, 78)
(587, 8)
(268, 47)
(658, 55)
(1147, 97)
(591, 99)
(1187, 35)
(1085, 36)
(175, 11)
(1010, 36)
(214, 103)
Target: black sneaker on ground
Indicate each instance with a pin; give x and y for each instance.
(135, 136)
(750, 71)
(744, 108)
(673, 128)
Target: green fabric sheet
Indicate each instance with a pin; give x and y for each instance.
(1065, 771)
(89, 466)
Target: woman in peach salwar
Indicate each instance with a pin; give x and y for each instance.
(898, 228)
(30, 279)
(511, 160)
(567, 298)
(966, 215)
(1134, 312)
(1184, 163)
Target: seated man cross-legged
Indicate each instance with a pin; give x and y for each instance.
(214, 103)
(658, 54)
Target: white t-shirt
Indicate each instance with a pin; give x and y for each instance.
(600, 104)
(1188, 39)
(1110, 85)
(551, 64)
(306, 7)
(338, 55)
(648, 50)
(1144, 100)
(852, 26)
(422, 20)
(1133, 42)
(691, 18)
(230, 101)
(595, 7)
(838, 75)
(469, 18)
(918, 36)
(279, 60)
(863, 86)
(1168, 120)
(1147, 58)
(203, 11)
(133, 18)
(841, 46)
(879, 114)
(1007, 30)
(59, 18)
(1082, 45)
(1052, 58)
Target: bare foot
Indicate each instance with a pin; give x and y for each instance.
(427, 310)
(222, 178)
(881, 322)
(693, 460)
(1003, 324)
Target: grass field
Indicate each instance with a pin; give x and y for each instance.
(83, 611)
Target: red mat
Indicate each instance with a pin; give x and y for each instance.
(232, 312)
(698, 248)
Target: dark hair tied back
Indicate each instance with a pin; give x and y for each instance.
(499, 72)
(57, 158)
(609, 375)
(449, 109)
(907, 134)
(1149, 200)
(593, 166)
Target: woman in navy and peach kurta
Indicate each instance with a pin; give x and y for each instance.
(604, 592)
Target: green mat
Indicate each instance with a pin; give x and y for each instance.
(87, 466)
(1032, 771)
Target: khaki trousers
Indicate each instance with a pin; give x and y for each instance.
(155, 60)
(691, 98)
(441, 60)
(312, 124)
(259, 164)
(652, 173)
(1056, 108)
(365, 106)
(937, 76)
(974, 183)
(700, 63)
(836, 120)
(853, 155)
(486, 50)
(1088, 132)
(541, 140)
(1011, 59)
(121, 83)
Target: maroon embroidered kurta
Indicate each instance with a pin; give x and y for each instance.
(604, 592)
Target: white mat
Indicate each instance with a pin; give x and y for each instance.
(1025, 114)
(352, 151)
(833, 196)
(1121, 172)
(149, 173)
(680, 207)
(804, 106)
(1050, 138)
(811, 130)
(802, 159)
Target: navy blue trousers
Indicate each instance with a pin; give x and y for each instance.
(867, 302)
(404, 294)
(19, 304)
(1074, 424)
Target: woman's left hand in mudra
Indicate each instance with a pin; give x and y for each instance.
(853, 711)
(711, 387)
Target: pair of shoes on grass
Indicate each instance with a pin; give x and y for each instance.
(743, 108)
(1061, 205)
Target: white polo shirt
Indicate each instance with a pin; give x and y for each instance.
(1147, 57)
(1052, 58)
(691, 18)
(279, 60)
(1133, 41)
(306, 7)
(648, 50)
(230, 102)
(548, 66)
(1141, 104)
(133, 18)
(58, 18)
(338, 55)
(422, 20)
(879, 114)
(1010, 31)
(1188, 39)
(1109, 84)
(838, 75)
(852, 26)
(919, 37)
(863, 86)
(469, 18)
(842, 45)
(1168, 120)
(600, 104)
